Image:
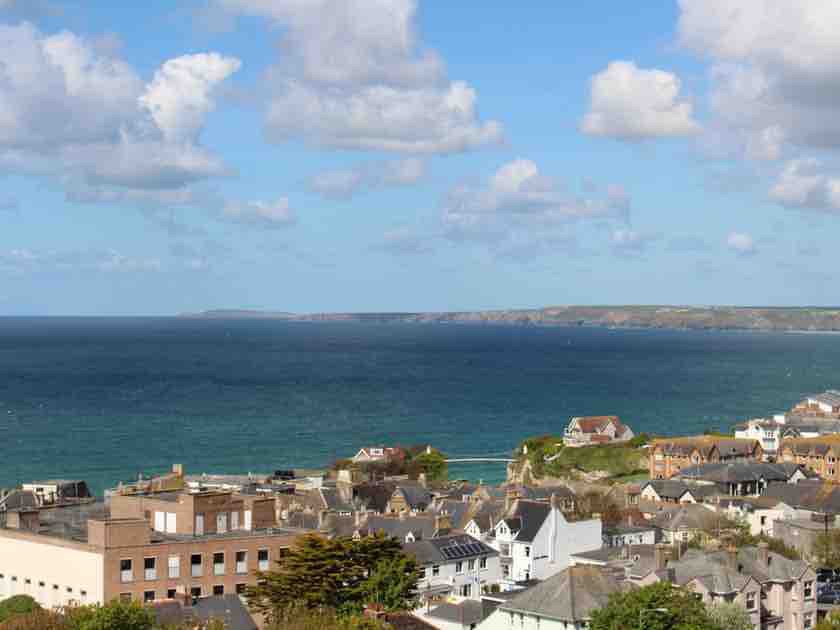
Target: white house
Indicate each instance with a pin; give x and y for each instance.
(456, 565)
(582, 431)
(768, 431)
(534, 540)
(377, 454)
(563, 602)
(623, 535)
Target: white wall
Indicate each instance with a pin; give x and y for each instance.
(54, 566)
(447, 576)
(503, 620)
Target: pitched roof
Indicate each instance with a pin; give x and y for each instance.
(486, 514)
(669, 488)
(467, 612)
(399, 527)
(687, 517)
(723, 577)
(527, 517)
(828, 397)
(737, 472)
(570, 595)
(814, 495)
(374, 496)
(593, 424)
(451, 548)
(705, 443)
(227, 608)
(415, 495)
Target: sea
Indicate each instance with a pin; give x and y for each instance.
(103, 399)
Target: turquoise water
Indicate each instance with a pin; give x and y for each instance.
(101, 399)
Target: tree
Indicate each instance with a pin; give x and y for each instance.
(730, 616)
(392, 584)
(38, 619)
(433, 464)
(115, 615)
(826, 549)
(338, 574)
(660, 606)
(17, 605)
(830, 622)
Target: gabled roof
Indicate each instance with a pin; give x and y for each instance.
(705, 444)
(814, 495)
(696, 563)
(332, 500)
(669, 488)
(526, 518)
(466, 613)
(570, 595)
(421, 527)
(688, 517)
(457, 511)
(416, 496)
(486, 514)
(453, 548)
(737, 472)
(595, 424)
(375, 496)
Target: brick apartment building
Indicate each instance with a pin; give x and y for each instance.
(818, 454)
(670, 456)
(146, 547)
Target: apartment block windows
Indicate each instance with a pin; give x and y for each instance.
(199, 524)
(174, 566)
(126, 571)
(148, 596)
(234, 520)
(242, 562)
(240, 588)
(195, 565)
(195, 592)
(221, 522)
(262, 559)
(218, 589)
(482, 563)
(150, 568)
(471, 565)
(436, 569)
(219, 563)
(171, 593)
(459, 567)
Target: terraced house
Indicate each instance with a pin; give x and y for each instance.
(670, 456)
(818, 455)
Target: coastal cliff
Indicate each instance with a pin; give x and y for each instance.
(806, 319)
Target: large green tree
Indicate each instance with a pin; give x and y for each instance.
(339, 574)
(826, 549)
(730, 616)
(17, 605)
(659, 606)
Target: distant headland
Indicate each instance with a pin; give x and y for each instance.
(788, 319)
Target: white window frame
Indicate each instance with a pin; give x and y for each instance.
(216, 565)
(241, 567)
(171, 523)
(173, 568)
(150, 574)
(263, 565)
(126, 575)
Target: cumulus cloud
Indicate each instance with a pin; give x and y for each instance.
(267, 214)
(806, 184)
(775, 80)
(353, 75)
(72, 110)
(741, 243)
(632, 103)
(519, 212)
(345, 183)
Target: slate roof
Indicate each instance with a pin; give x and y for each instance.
(226, 608)
(419, 526)
(445, 549)
(417, 497)
(527, 517)
(814, 495)
(737, 472)
(458, 511)
(688, 517)
(18, 499)
(669, 488)
(486, 514)
(704, 444)
(722, 575)
(570, 595)
(543, 493)
(467, 612)
(374, 496)
(333, 501)
(593, 424)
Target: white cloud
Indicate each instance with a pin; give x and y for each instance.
(806, 184)
(353, 75)
(741, 243)
(23, 260)
(344, 183)
(73, 110)
(269, 214)
(627, 241)
(519, 207)
(775, 80)
(632, 103)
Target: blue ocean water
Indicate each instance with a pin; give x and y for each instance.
(101, 399)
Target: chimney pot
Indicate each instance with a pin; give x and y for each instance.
(763, 553)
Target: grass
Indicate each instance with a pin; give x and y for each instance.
(618, 460)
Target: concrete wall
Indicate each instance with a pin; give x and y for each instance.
(26, 564)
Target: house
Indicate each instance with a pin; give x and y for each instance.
(777, 592)
(228, 609)
(534, 540)
(483, 518)
(669, 456)
(815, 454)
(54, 492)
(672, 491)
(457, 614)
(807, 498)
(688, 522)
(378, 454)
(826, 404)
(586, 430)
(143, 548)
(759, 513)
(456, 564)
(743, 479)
(564, 601)
(768, 431)
(409, 497)
(622, 535)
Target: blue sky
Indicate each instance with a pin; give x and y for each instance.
(360, 155)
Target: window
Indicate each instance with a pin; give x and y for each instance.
(171, 523)
(527, 552)
(174, 566)
(126, 573)
(504, 550)
(763, 521)
(148, 596)
(505, 571)
(471, 565)
(242, 562)
(459, 567)
(808, 589)
(125, 597)
(262, 559)
(195, 592)
(466, 590)
(221, 522)
(199, 524)
(150, 568)
(240, 588)
(482, 563)
(807, 620)
(83, 596)
(218, 589)
(160, 521)
(234, 520)
(219, 563)
(751, 601)
(436, 569)
(171, 593)
(195, 565)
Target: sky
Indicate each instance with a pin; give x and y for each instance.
(401, 155)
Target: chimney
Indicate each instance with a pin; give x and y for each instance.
(763, 554)
(732, 557)
(660, 556)
(443, 523)
(554, 501)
